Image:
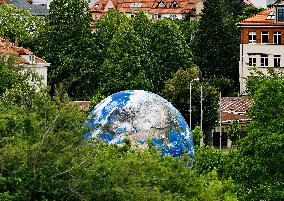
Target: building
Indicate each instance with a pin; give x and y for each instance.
(262, 3)
(26, 59)
(232, 109)
(247, 3)
(156, 9)
(38, 8)
(262, 43)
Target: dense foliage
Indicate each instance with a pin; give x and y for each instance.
(216, 46)
(177, 91)
(66, 42)
(44, 156)
(139, 53)
(257, 163)
(18, 25)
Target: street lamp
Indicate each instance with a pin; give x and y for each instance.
(201, 115)
(190, 94)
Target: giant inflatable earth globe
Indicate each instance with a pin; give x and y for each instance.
(141, 117)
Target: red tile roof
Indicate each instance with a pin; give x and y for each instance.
(261, 19)
(7, 48)
(151, 6)
(247, 3)
(235, 108)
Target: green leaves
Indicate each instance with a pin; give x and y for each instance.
(257, 164)
(67, 43)
(177, 91)
(216, 45)
(234, 132)
(17, 24)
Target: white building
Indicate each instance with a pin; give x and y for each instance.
(27, 60)
(262, 44)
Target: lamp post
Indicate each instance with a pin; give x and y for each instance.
(190, 110)
(220, 110)
(201, 115)
(190, 104)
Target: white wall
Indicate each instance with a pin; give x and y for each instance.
(270, 50)
(262, 3)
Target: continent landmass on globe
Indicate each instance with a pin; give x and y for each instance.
(139, 116)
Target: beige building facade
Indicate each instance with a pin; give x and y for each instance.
(261, 45)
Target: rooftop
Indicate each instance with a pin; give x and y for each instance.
(235, 108)
(36, 9)
(150, 6)
(266, 17)
(7, 48)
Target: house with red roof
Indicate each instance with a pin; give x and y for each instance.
(232, 109)
(261, 44)
(26, 59)
(156, 9)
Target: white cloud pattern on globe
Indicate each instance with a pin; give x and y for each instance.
(141, 116)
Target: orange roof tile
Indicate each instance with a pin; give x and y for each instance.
(261, 19)
(7, 48)
(235, 108)
(151, 6)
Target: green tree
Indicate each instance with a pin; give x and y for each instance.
(9, 74)
(247, 12)
(105, 29)
(39, 138)
(125, 65)
(123, 174)
(197, 135)
(216, 48)
(170, 49)
(257, 164)
(189, 30)
(16, 24)
(177, 91)
(67, 43)
(234, 132)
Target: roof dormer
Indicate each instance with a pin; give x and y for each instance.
(174, 4)
(161, 5)
(30, 59)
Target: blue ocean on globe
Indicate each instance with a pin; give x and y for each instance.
(141, 116)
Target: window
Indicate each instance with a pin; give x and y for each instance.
(32, 59)
(252, 37)
(277, 38)
(264, 61)
(161, 4)
(172, 17)
(277, 60)
(264, 37)
(271, 16)
(156, 16)
(174, 5)
(280, 14)
(252, 61)
(135, 5)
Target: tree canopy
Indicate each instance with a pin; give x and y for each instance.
(66, 42)
(44, 156)
(18, 25)
(257, 164)
(216, 47)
